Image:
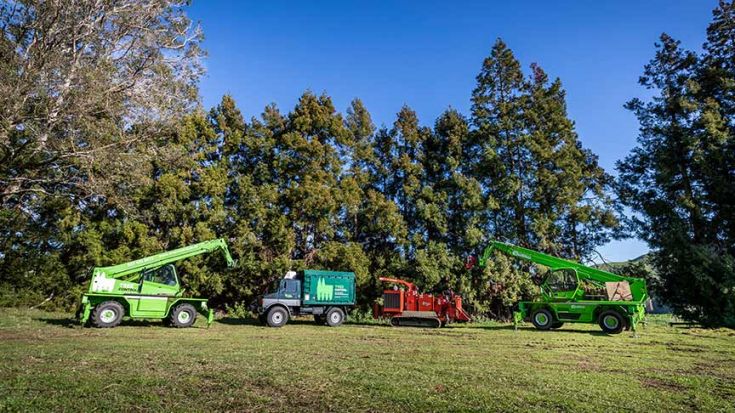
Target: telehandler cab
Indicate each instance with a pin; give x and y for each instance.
(574, 293)
(146, 288)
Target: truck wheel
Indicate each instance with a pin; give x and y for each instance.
(611, 322)
(182, 316)
(542, 319)
(320, 319)
(277, 317)
(335, 317)
(556, 324)
(108, 314)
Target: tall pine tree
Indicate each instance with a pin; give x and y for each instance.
(679, 179)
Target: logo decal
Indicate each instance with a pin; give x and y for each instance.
(324, 292)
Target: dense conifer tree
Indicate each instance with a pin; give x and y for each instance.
(679, 179)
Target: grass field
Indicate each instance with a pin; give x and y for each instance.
(48, 363)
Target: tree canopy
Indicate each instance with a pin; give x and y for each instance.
(680, 179)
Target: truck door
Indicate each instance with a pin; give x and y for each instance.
(156, 286)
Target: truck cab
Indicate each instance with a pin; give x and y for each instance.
(160, 281)
(326, 295)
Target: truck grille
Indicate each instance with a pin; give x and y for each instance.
(392, 300)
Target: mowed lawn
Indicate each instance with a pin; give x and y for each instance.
(48, 363)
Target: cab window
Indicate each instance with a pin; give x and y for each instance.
(290, 288)
(562, 280)
(165, 275)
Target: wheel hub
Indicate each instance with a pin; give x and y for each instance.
(335, 317)
(610, 322)
(108, 315)
(542, 319)
(183, 317)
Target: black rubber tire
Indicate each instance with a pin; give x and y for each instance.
(320, 319)
(335, 317)
(174, 319)
(556, 324)
(606, 320)
(97, 318)
(277, 317)
(538, 317)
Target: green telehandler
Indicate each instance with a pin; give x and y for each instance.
(147, 288)
(575, 293)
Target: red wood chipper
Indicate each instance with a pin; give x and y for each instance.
(408, 307)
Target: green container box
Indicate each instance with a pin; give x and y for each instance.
(328, 287)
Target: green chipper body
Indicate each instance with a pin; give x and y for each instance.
(575, 293)
(147, 288)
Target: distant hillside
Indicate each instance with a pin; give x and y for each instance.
(621, 266)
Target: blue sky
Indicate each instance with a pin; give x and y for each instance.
(426, 54)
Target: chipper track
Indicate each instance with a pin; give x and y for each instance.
(427, 319)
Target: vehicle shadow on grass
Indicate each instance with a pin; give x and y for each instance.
(367, 324)
(74, 323)
(537, 331)
(61, 322)
(250, 321)
(238, 321)
(490, 327)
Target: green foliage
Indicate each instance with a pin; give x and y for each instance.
(679, 180)
(310, 188)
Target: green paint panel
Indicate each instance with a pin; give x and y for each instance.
(328, 287)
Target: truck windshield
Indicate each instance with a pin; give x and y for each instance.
(562, 280)
(164, 275)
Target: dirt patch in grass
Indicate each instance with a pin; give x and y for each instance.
(723, 370)
(588, 366)
(686, 348)
(661, 384)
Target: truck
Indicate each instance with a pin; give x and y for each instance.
(326, 295)
(147, 288)
(575, 293)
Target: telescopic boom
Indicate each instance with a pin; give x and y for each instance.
(168, 257)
